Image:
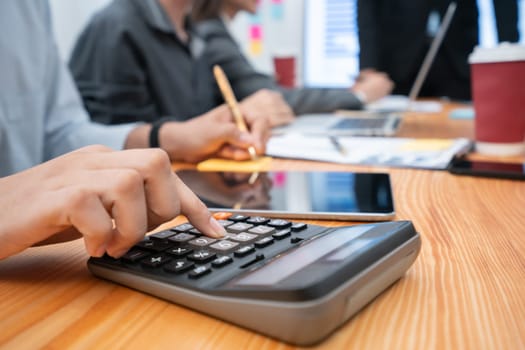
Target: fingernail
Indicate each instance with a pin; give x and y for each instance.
(118, 253)
(218, 230)
(100, 251)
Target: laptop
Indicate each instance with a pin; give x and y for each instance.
(381, 118)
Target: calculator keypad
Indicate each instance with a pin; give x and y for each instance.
(183, 251)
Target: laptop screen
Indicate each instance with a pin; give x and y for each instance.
(331, 43)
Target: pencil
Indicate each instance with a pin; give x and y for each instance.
(231, 101)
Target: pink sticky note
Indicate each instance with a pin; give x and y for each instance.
(255, 32)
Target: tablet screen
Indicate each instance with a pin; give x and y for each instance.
(291, 194)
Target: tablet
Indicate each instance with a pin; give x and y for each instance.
(291, 194)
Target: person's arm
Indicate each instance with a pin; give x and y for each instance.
(109, 72)
(111, 199)
(67, 125)
(222, 49)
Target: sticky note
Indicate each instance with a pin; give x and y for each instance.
(277, 11)
(255, 32)
(256, 47)
(248, 166)
(256, 18)
(426, 145)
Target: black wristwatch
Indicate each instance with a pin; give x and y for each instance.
(154, 133)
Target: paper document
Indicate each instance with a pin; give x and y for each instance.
(396, 152)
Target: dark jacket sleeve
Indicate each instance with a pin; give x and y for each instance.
(367, 21)
(223, 50)
(506, 12)
(109, 74)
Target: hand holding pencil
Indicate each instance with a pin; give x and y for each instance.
(231, 101)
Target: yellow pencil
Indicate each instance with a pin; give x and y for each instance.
(231, 101)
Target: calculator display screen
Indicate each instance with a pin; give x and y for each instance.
(294, 192)
(331, 248)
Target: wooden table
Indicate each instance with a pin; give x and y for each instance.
(466, 290)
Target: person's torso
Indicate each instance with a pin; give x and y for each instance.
(179, 76)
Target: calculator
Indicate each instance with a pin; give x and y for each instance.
(292, 281)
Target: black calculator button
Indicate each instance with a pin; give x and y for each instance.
(224, 245)
(239, 227)
(261, 230)
(282, 234)
(238, 218)
(299, 226)
(179, 266)
(221, 261)
(199, 271)
(153, 245)
(182, 228)
(181, 238)
(279, 223)
(263, 242)
(202, 241)
(162, 235)
(202, 256)
(155, 260)
(248, 249)
(295, 240)
(179, 251)
(134, 255)
(257, 220)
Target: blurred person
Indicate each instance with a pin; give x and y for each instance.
(394, 37)
(145, 59)
(212, 19)
(139, 60)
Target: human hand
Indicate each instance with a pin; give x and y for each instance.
(109, 198)
(213, 134)
(373, 85)
(267, 104)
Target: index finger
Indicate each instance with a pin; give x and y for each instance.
(260, 130)
(196, 211)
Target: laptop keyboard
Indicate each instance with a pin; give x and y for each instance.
(360, 123)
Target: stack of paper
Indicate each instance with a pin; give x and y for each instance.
(397, 152)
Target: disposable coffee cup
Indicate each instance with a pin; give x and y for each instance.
(498, 92)
(285, 66)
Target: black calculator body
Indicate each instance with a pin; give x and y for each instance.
(292, 281)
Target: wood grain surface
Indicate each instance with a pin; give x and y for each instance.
(466, 290)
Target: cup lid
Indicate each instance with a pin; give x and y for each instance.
(504, 52)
